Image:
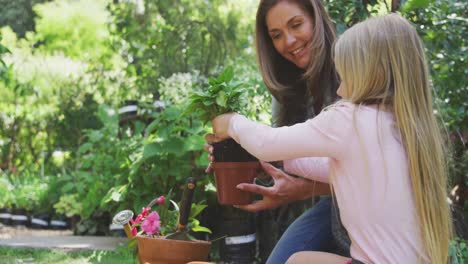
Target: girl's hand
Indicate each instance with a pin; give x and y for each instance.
(220, 126)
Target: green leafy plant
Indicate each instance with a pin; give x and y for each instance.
(6, 189)
(222, 95)
(459, 250)
(69, 205)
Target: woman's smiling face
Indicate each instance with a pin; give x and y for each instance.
(290, 28)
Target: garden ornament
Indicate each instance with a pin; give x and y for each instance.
(123, 218)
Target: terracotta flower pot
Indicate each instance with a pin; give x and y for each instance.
(165, 251)
(228, 175)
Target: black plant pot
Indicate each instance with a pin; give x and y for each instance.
(239, 246)
(130, 108)
(40, 221)
(19, 217)
(59, 222)
(230, 151)
(5, 216)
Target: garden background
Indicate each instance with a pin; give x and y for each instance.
(68, 68)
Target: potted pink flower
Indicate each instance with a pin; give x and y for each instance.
(161, 231)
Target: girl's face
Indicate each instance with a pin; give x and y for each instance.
(290, 29)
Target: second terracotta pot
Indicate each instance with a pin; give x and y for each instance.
(158, 250)
(228, 175)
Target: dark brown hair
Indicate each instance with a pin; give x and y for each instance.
(300, 93)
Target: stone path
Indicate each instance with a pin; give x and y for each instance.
(31, 238)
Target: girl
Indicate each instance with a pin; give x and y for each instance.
(386, 158)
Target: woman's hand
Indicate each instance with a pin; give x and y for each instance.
(286, 189)
(208, 147)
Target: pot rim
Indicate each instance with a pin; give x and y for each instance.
(174, 240)
(241, 165)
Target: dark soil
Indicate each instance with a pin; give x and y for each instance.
(230, 151)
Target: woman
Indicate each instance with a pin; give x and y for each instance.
(294, 42)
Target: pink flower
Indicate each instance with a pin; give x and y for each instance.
(161, 200)
(134, 231)
(151, 224)
(140, 216)
(145, 211)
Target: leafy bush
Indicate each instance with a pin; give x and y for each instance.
(163, 37)
(6, 188)
(26, 192)
(76, 28)
(18, 15)
(460, 249)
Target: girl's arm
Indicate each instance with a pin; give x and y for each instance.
(323, 136)
(326, 135)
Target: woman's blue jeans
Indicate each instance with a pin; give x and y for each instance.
(310, 232)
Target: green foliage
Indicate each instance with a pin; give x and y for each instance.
(3, 66)
(49, 98)
(69, 205)
(174, 89)
(99, 161)
(459, 249)
(414, 4)
(164, 37)
(76, 28)
(442, 25)
(18, 15)
(222, 95)
(171, 152)
(6, 189)
(27, 192)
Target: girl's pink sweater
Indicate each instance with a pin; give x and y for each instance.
(365, 163)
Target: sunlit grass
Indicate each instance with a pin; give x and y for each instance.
(37, 256)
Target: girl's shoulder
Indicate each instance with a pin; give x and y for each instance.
(341, 105)
(347, 111)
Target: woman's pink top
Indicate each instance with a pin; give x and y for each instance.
(367, 166)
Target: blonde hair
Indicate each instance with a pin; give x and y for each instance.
(381, 60)
(290, 85)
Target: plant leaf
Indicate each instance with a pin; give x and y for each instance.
(221, 99)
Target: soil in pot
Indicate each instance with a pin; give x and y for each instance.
(230, 151)
(165, 251)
